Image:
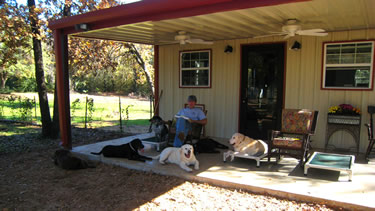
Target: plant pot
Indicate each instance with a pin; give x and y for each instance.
(344, 119)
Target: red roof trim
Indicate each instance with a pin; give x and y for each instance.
(155, 10)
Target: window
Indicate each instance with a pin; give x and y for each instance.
(348, 65)
(195, 69)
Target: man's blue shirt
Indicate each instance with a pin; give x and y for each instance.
(194, 113)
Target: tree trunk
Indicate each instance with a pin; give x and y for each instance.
(137, 56)
(39, 74)
(3, 79)
(135, 76)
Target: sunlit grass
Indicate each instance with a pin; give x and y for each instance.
(17, 129)
(106, 111)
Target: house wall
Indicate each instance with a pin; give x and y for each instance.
(302, 85)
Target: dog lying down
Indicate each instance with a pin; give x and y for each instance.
(129, 150)
(246, 145)
(65, 160)
(183, 156)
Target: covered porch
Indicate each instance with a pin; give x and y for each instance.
(227, 22)
(235, 23)
(284, 179)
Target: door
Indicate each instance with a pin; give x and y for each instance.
(262, 79)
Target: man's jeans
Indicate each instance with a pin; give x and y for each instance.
(182, 126)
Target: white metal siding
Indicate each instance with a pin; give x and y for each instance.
(302, 88)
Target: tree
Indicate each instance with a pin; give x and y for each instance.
(133, 50)
(14, 37)
(47, 127)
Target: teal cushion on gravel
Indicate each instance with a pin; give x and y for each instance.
(336, 161)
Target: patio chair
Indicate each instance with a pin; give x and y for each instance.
(197, 132)
(297, 126)
(370, 131)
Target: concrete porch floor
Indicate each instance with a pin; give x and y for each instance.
(284, 179)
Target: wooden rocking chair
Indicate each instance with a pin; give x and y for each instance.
(297, 126)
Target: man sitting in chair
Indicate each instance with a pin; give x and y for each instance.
(185, 118)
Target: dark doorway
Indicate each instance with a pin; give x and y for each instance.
(261, 89)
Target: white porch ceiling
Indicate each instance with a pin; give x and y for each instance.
(331, 15)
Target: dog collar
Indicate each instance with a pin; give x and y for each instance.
(130, 144)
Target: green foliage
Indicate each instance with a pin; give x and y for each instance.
(73, 107)
(90, 110)
(12, 104)
(96, 66)
(5, 90)
(26, 106)
(2, 105)
(126, 112)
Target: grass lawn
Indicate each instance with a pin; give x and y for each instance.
(105, 111)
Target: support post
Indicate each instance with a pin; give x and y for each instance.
(156, 78)
(62, 78)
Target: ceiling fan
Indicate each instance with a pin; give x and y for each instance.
(292, 28)
(182, 37)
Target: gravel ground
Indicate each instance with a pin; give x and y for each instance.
(30, 181)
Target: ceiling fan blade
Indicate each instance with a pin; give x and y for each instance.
(198, 41)
(312, 32)
(169, 41)
(269, 35)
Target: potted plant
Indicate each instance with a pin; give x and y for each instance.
(344, 114)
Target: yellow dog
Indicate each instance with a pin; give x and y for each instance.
(246, 145)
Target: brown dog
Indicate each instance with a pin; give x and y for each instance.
(244, 144)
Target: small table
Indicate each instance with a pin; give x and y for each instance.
(329, 161)
(350, 124)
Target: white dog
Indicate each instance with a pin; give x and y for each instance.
(244, 144)
(183, 157)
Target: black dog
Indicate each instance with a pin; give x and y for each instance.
(64, 159)
(208, 146)
(129, 150)
(158, 126)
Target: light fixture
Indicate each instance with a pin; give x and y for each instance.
(82, 27)
(228, 49)
(296, 46)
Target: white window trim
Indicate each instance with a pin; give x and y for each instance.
(371, 82)
(197, 68)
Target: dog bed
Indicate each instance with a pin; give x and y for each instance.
(233, 154)
(256, 157)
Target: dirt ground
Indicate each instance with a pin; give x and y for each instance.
(30, 181)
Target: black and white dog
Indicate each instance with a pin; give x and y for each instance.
(158, 126)
(129, 150)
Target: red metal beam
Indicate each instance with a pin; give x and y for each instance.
(62, 77)
(156, 77)
(156, 10)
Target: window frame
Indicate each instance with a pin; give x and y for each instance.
(371, 65)
(209, 68)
